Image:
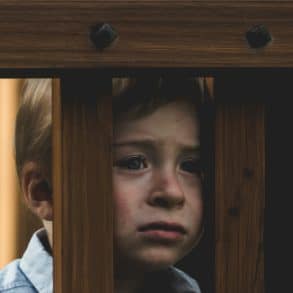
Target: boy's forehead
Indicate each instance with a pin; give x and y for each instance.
(173, 122)
(173, 111)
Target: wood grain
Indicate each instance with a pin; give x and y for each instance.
(188, 34)
(239, 191)
(83, 249)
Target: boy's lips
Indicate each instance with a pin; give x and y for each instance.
(162, 232)
(162, 226)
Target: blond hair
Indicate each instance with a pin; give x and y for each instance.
(34, 123)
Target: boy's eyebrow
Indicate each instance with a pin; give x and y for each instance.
(144, 144)
(150, 145)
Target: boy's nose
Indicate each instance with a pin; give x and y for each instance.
(167, 191)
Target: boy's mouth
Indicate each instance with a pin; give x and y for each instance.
(162, 226)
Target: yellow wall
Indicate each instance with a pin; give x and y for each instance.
(8, 180)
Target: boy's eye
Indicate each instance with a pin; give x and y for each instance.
(132, 163)
(191, 166)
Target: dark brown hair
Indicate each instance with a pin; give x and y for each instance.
(138, 97)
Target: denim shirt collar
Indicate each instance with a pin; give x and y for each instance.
(37, 264)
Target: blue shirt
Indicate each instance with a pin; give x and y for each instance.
(34, 273)
(171, 280)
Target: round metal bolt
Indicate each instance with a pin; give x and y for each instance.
(234, 212)
(102, 35)
(258, 36)
(247, 173)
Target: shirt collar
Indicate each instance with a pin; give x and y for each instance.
(37, 264)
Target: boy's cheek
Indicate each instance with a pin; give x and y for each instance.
(127, 190)
(198, 222)
(121, 208)
(123, 204)
(198, 211)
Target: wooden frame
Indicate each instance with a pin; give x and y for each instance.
(182, 34)
(40, 38)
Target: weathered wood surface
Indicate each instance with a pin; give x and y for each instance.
(239, 189)
(203, 34)
(82, 168)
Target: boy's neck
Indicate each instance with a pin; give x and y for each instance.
(45, 241)
(127, 286)
(128, 281)
(48, 225)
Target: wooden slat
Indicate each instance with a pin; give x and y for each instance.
(239, 191)
(57, 184)
(55, 34)
(82, 171)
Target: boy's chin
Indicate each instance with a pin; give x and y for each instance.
(156, 261)
(156, 266)
(146, 260)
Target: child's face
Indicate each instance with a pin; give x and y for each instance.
(157, 190)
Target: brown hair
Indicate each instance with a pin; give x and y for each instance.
(138, 97)
(133, 97)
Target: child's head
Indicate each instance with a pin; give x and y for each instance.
(156, 173)
(156, 170)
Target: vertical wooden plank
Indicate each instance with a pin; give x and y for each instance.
(82, 138)
(239, 189)
(57, 184)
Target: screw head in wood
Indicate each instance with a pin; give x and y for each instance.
(102, 35)
(258, 36)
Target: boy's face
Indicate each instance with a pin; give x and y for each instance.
(157, 189)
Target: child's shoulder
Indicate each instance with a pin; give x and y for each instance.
(13, 280)
(183, 282)
(171, 280)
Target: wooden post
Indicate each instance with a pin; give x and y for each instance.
(82, 168)
(239, 188)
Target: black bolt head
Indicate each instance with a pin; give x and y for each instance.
(247, 173)
(258, 36)
(234, 212)
(102, 35)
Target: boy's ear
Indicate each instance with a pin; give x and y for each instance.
(37, 190)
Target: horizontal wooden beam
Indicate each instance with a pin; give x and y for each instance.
(178, 34)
